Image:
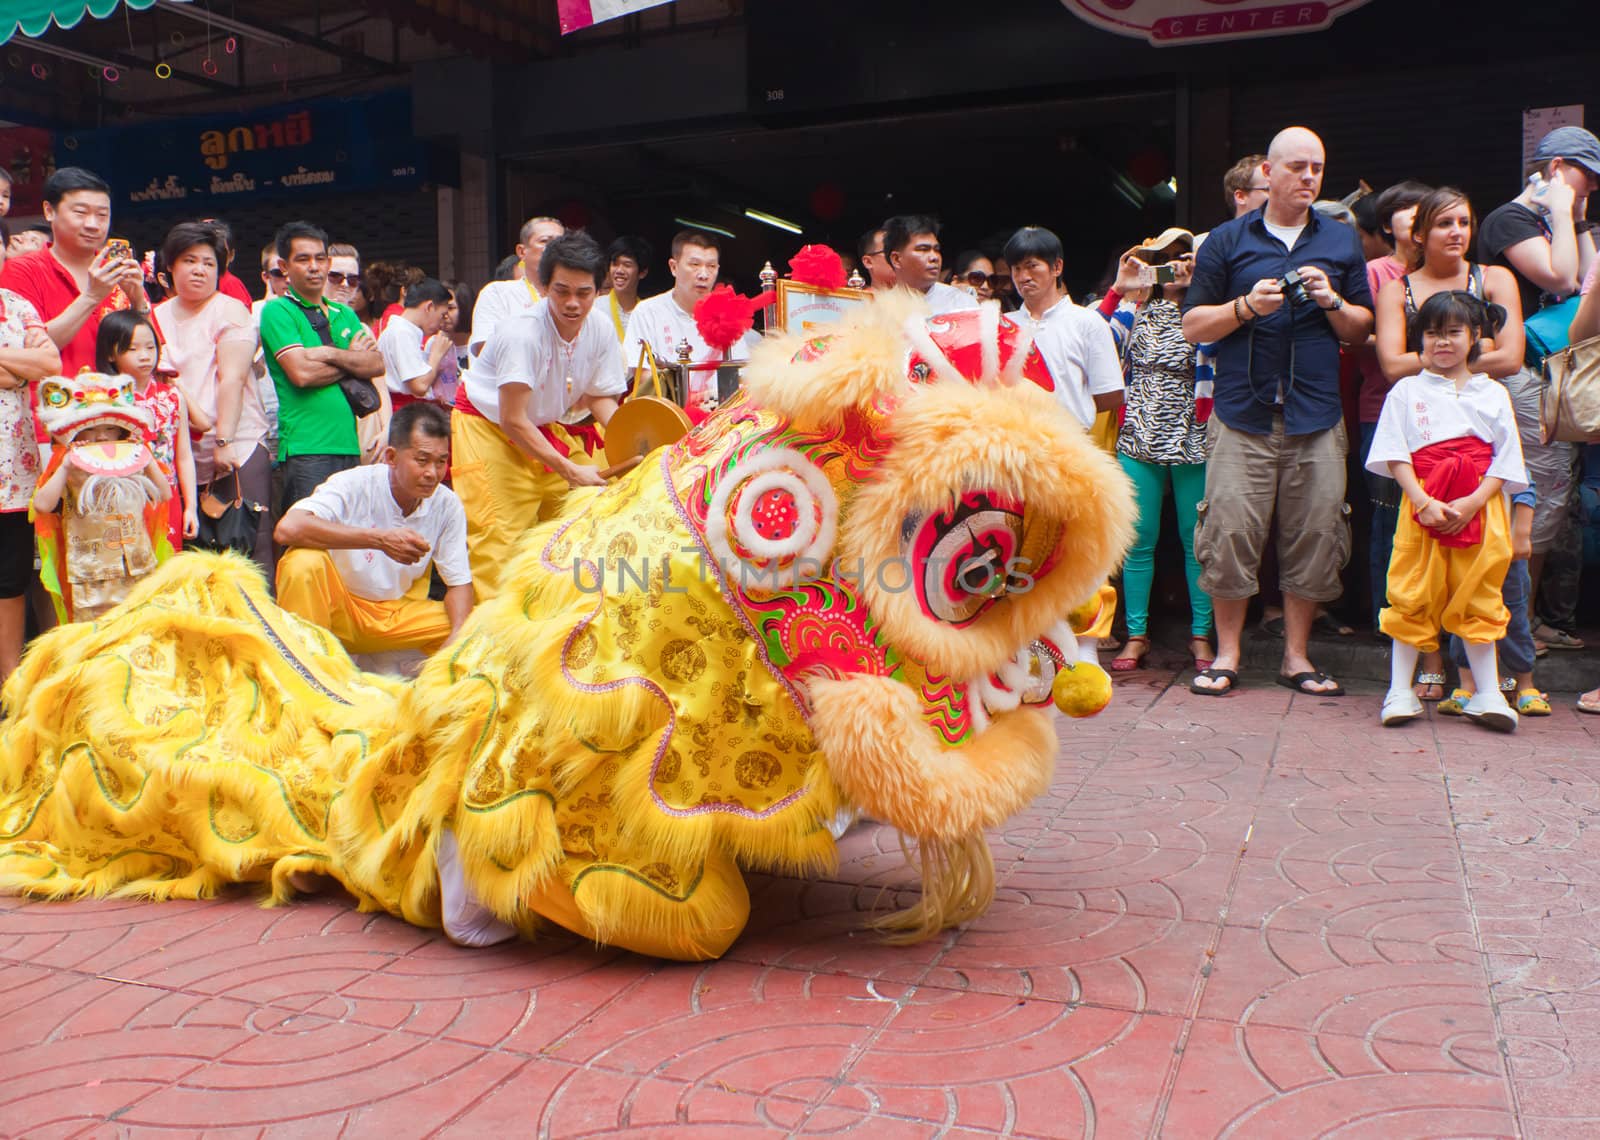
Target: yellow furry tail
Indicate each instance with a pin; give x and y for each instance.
(192, 737)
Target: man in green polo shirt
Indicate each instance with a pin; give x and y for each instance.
(310, 344)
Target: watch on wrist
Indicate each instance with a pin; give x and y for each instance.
(1338, 303)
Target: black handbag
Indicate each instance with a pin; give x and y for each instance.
(227, 525)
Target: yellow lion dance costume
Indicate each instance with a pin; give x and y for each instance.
(848, 588)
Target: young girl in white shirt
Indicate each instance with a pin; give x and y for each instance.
(1448, 436)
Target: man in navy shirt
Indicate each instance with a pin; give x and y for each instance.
(1276, 438)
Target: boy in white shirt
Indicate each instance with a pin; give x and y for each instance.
(1449, 437)
(499, 300)
(413, 343)
(513, 459)
(361, 545)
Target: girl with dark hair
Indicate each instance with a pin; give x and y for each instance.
(1448, 436)
(1436, 252)
(974, 273)
(127, 345)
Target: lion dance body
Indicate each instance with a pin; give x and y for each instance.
(847, 589)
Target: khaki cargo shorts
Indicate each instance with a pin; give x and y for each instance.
(1249, 478)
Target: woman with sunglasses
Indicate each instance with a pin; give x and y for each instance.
(974, 273)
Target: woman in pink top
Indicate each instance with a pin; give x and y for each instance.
(210, 339)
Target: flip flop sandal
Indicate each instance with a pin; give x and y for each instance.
(1332, 626)
(1455, 703)
(1227, 675)
(1272, 627)
(1556, 638)
(1591, 709)
(1508, 684)
(1298, 682)
(1435, 680)
(1531, 702)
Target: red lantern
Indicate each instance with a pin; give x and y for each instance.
(1149, 167)
(827, 201)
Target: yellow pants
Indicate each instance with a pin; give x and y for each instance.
(503, 493)
(1455, 587)
(1104, 430)
(1094, 617)
(309, 586)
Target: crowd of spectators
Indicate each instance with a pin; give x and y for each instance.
(400, 432)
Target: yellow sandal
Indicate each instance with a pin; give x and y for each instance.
(1454, 703)
(1531, 702)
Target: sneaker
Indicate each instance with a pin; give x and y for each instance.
(1491, 711)
(1400, 707)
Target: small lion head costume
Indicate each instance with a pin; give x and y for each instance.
(100, 542)
(849, 588)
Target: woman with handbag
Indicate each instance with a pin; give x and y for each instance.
(210, 340)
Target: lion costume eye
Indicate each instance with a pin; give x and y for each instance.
(961, 558)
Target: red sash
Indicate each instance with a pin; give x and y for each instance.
(586, 434)
(1452, 470)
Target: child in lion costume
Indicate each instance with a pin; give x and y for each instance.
(849, 589)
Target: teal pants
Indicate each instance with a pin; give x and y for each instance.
(1150, 482)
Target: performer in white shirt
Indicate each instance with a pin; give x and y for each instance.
(513, 458)
(630, 259)
(1081, 355)
(665, 321)
(361, 545)
(414, 344)
(500, 299)
(911, 243)
(1076, 343)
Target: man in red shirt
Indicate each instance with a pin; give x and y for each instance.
(228, 282)
(76, 280)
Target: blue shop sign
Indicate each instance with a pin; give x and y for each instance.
(335, 145)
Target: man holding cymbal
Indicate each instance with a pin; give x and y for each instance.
(512, 458)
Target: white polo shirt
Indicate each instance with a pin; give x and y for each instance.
(527, 350)
(404, 357)
(361, 497)
(1080, 352)
(944, 299)
(659, 322)
(497, 301)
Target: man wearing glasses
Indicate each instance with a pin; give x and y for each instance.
(311, 344)
(880, 275)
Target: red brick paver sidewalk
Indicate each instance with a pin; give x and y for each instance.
(1260, 916)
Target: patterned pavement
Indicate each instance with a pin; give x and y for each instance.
(1261, 916)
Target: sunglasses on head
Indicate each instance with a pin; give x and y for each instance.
(344, 278)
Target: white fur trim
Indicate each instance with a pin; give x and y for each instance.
(931, 353)
(1019, 355)
(989, 340)
(782, 464)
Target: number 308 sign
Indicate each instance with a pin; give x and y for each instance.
(1170, 23)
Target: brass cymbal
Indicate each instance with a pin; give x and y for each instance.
(641, 425)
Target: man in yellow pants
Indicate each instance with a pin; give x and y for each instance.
(361, 545)
(512, 457)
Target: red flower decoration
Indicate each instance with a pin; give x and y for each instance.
(817, 266)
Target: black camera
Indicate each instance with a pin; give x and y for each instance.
(1294, 288)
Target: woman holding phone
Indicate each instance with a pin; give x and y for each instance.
(1161, 443)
